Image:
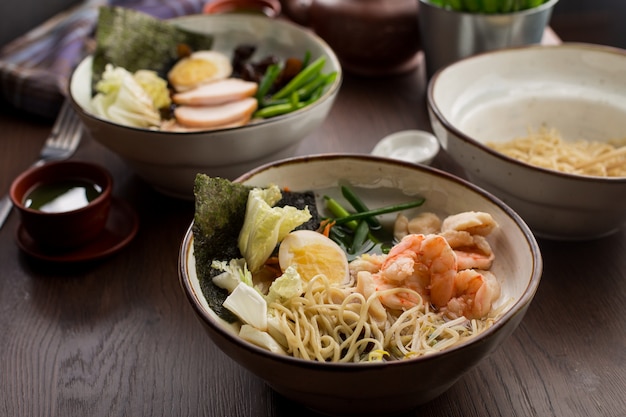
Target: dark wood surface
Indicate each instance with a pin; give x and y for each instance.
(117, 337)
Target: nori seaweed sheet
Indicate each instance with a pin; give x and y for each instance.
(135, 40)
(220, 211)
(301, 200)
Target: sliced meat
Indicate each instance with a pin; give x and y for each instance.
(174, 126)
(215, 116)
(217, 92)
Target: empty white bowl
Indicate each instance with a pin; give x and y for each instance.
(416, 146)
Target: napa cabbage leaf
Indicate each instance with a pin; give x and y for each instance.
(121, 99)
(266, 225)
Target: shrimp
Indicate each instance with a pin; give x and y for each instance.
(424, 223)
(423, 264)
(400, 227)
(366, 262)
(474, 293)
(367, 287)
(465, 232)
(473, 222)
(473, 251)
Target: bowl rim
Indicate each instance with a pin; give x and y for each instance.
(544, 49)
(516, 308)
(328, 94)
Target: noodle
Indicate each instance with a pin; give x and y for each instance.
(547, 149)
(318, 327)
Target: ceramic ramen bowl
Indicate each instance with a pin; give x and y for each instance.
(576, 89)
(361, 389)
(169, 161)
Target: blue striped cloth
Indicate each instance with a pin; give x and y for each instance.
(35, 68)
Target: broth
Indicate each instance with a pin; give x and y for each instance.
(62, 196)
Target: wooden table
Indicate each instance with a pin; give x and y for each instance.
(118, 338)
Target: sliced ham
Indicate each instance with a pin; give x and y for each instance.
(217, 92)
(173, 126)
(215, 116)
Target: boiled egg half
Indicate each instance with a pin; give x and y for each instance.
(312, 253)
(199, 68)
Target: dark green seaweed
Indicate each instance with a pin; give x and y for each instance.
(220, 208)
(135, 40)
(301, 200)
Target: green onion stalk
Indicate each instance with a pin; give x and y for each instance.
(354, 230)
(305, 88)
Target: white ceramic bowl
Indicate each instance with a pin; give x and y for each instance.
(169, 161)
(578, 89)
(391, 387)
(416, 146)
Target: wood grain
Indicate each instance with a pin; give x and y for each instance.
(118, 338)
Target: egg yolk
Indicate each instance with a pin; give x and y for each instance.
(192, 71)
(315, 258)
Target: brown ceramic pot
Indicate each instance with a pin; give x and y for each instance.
(370, 37)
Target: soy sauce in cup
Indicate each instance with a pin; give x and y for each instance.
(63, 204)
(63, 195)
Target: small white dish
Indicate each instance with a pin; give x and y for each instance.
(416, 146)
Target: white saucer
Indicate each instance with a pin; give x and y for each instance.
(416, 146)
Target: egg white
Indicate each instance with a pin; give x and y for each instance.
(189, 73)
(319, 248)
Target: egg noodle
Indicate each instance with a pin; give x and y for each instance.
(332, 323)
(546, 148)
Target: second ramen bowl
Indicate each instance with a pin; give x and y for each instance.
(576, 89)
(363, 389)
(168, 160)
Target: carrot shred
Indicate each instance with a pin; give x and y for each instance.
(273, 265)
(275, 269)
(272, 260)
(325, 227)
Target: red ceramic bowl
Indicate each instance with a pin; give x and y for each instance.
(68, 226)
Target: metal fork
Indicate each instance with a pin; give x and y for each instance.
(60, 144)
